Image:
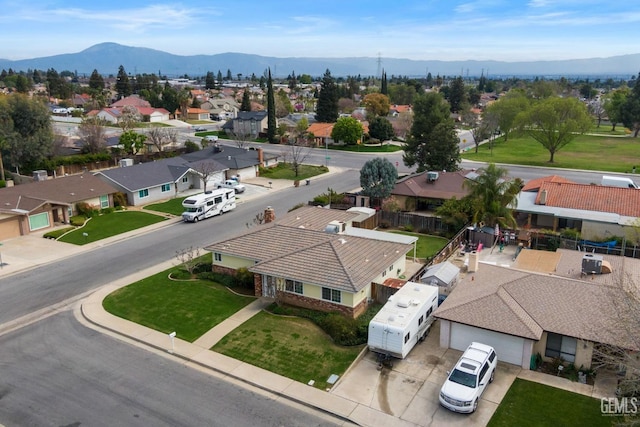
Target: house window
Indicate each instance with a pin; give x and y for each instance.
(331, 295)
(166, 187)
(217, 256)
(293, 286)
(185, 179)
(561, 346)
(104, 202)
(143, 193)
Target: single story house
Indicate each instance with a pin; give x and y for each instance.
(321, 133)
(132, 100)
(238, 162)
(43, 203)
(426, 191)
(557, 310)
(308, 258)
(196, 114)
(596, 211)
(145, 183)
(153, 115)
(110, 115)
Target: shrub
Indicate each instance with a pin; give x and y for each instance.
(244, 278)
(86, 210)
(191, 146)
(107, 210)
(408, 228)
(119, 199)
(57, 233)
(571, 233)
(77, 220)
(3, 183)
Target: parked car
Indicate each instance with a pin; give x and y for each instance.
(470, 376)
(200, 129)
(211, 138)
(232, 183)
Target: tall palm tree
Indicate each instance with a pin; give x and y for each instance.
(493, 196)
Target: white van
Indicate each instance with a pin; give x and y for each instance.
(618, 181)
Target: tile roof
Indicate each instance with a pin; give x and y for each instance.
(524, 304)
(315, 218)
(621, 201)
(534, 184)
(447, 186)
(65, 190)
(321, 130)
(134, 100)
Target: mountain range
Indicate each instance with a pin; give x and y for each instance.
(107, 57)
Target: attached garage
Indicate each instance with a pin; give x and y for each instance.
(9, 226)
(509, 348)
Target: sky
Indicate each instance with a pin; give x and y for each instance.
(448, 30)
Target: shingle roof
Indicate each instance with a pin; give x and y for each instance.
(228, 156)
(622, 201)
(65, 190)
(526, 303)
(315, 218)
(447, 186)
(341, 262)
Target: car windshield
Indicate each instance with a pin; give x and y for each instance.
(192, 210)
(463, 378)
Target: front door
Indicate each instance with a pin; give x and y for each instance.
(268, 286)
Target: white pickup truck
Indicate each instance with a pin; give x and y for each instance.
(232, 183)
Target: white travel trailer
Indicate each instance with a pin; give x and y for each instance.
(207, 204)
(403, 321)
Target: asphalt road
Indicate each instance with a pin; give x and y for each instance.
(59, 373)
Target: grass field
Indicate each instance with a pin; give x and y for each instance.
(426, 246)
(529, 404)
(190, 308)
(289, 346)
(108, 225)
(607, 153)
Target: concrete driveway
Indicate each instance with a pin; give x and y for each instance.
(409, 390)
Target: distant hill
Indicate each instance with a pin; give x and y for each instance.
(107, 57)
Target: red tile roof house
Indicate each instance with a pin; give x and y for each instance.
(311, 267)
(556, 311)
(597, 211)
(133, 100)
(425, 191)
(41, 204)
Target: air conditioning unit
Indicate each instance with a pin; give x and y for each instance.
(40, 175)
(126, 162)
(592, 264)
(432, 176)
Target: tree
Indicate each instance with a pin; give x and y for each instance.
(554, 122)
(161, 137)
(481, 128)
(123, 87)
(296, 154)
(26, 136)
(327, 107)
(271, 111)
(132, 142)
(493, 195)
(384, 88)
(631, 109)
(283, 104)
(94, 135)
(246, 101)
(170, 99)
(433, 141)
(209, 81)
(381, 129)
(457, 95)
(613, 104)
(596, 107)
(129, 117)
(377, 178)
(347, 130)
(455, 212)
(96, 82)
(206, 169)
(184, 98)
(506, 109)
(377, 105)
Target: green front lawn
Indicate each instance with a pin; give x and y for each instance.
(284, 171)
(537, 405)
(188, 307)
(108, 225)
(288, 346)
(172, 206)
(426, 246)
(607, 153)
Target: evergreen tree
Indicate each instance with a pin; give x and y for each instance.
(96, 82)
(433, 142)
(631, 109)
(229, 75)
(209, 81)
(457, 95)
(327, 107)
(219, 77)
(246, 100)
(378, 178)
(123, 88)
(381, 129)
(383, 86)
(271, 111)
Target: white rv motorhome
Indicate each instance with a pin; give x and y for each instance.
(404, 320)
(207, 204)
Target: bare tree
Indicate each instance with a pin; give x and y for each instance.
(93, 133)
(188, 258)
(129, 116)
(239, 137)
(205, 168)
(596, 107)
(403, 123)
(257, 220)
(161, 137)
(296, 154)
(480, 129)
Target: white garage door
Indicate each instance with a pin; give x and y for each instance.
(508, 348)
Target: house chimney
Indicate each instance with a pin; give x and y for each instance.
(269, 215)
(473, 262)
(260, 157)
(543, 197)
